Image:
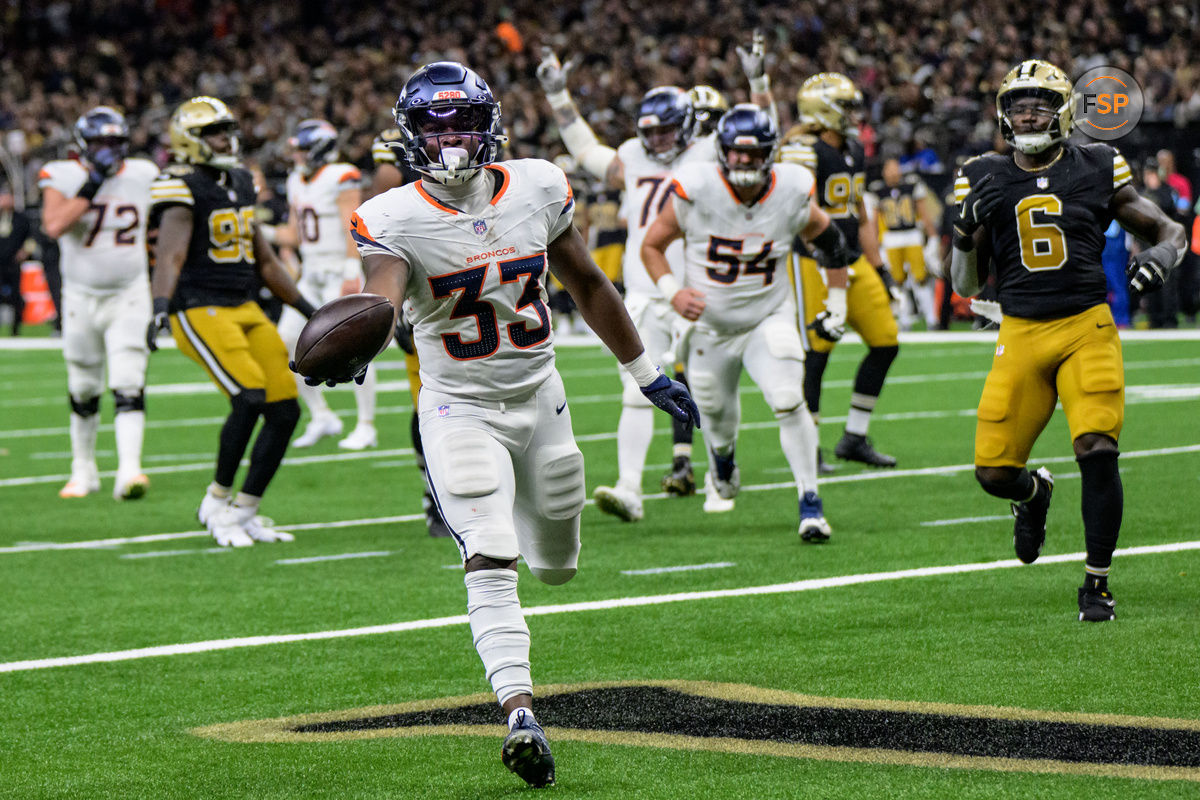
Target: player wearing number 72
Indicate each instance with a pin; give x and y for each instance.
(737, 220)
(95, 206)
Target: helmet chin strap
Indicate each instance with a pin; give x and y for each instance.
(1030, 143)
(456, 166)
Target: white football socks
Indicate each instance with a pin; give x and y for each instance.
(799, 440)
(130, 428)
(499, 629)
(364, 397)
(83, 442)
(635, 429)
(858, 418)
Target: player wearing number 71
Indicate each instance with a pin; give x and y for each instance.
(737, 220)
(1037, 218)
(95, 205)
(467, 247)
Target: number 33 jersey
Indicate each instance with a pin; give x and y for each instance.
(105, 250)
(476, 281)
(736, 253)
(1047, 235)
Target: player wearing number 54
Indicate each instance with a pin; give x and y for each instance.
(209, 260)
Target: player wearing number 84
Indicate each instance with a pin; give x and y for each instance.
(1036, 219)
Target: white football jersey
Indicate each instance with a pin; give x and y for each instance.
(105, 250)
(647, 186)
(737, 254)
(313, 201)
(476, 287)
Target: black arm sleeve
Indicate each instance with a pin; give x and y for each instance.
(830, 248)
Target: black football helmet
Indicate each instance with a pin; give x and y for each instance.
(447, 101)
(102, 135)
(748, 129)
(665, 107)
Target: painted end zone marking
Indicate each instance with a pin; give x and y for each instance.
(594, 605)
(683, 568)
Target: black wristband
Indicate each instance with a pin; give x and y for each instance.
(161, 306)
(304, 307)
(963, 241)
(89, 189)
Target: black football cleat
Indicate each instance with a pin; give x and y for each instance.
(1029, 524)
(853, 447)
(1096, 605)
(680, 481)
(526, 752)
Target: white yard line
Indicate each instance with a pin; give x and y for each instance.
(213, 645)
(682, 568)
(936, 523)
(338, 557)
(164, 553)
(946, 471)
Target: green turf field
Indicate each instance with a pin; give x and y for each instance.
(853, 619)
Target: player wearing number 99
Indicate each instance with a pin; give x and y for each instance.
(209, 260)
(95, 205)
(1036, 219)
(737, 223)
(467, 247)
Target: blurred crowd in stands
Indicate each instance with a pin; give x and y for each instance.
(928, 68)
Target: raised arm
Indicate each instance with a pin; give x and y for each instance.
(598, 159)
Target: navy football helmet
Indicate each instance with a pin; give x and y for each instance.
(317, 140)
(449, 106)
(747, 129)
(102, 135)
(665, 122)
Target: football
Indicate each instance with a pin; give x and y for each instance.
(343, 335)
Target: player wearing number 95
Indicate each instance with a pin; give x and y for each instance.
(737, 223)
(1037, 217)
(95, 205)
(468, 246)
(209, 259)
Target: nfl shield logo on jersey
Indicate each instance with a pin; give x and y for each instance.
(443, 411)
(480, 227)
(1043, 183)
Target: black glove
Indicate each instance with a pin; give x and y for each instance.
(981, 202)
(358, 377)
(159, 323)
(1148, 269)
(673, 398)
(895, 293)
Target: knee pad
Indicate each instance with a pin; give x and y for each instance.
(85, 408)
(786, 401)
(129, 401)
(469, 467)
(561, 493)
(249, 400)
(783, 339)
(553, 577)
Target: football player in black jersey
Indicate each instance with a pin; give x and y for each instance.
(826, 142)
(391, 171)
(1035, 219)
(209, 259)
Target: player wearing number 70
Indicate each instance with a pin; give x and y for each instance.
(1037, 217)
(95, 206)
(209, 260)
(737, 221)
(467, 247)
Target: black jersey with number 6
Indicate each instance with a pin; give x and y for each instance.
(1047, 235)
(219, 269)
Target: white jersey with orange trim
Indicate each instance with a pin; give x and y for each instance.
(105, 250)
(737, 254)
(476, 287)
(314, 202)
(647, 184)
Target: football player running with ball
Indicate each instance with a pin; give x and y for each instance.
(468, 247)
(737, 223)
(96, 207)
(1036, 219)
(209, 260)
